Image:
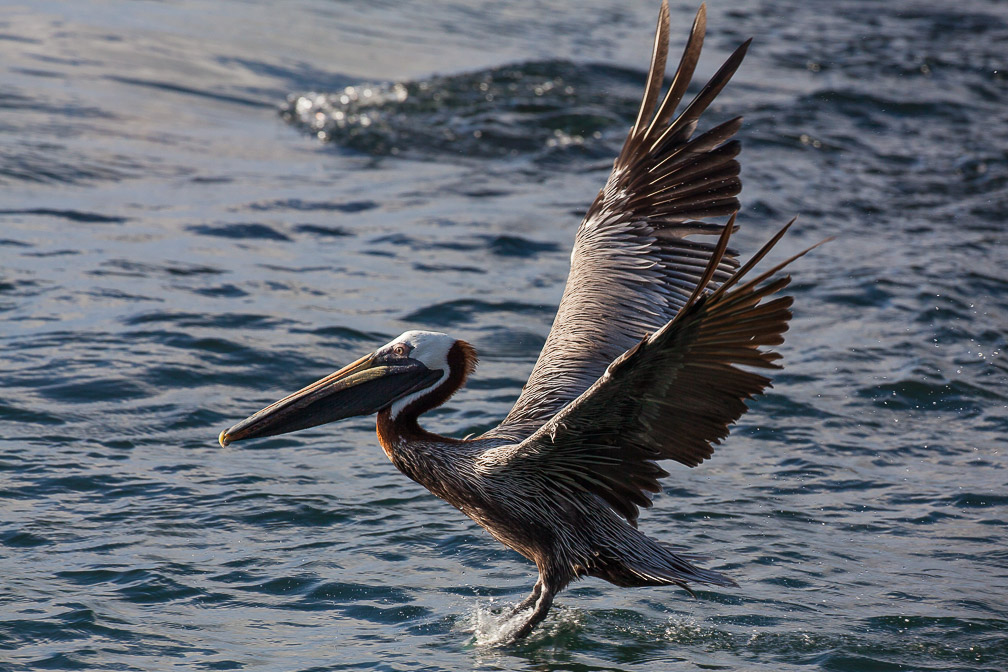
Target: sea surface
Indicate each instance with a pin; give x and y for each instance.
(206, 204)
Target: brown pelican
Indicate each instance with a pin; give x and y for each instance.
(641, 365)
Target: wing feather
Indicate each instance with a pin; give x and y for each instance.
(671, 396)
(633, 267)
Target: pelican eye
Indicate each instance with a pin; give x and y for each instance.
(400, 349)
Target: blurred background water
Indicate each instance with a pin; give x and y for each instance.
(197, 215)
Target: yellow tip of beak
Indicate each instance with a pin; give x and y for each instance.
(222, 438)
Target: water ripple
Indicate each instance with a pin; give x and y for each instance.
(176, 257)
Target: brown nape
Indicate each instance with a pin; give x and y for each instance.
(465, 355)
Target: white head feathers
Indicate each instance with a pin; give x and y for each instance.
(431, 348)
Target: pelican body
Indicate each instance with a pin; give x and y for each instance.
(642, 364)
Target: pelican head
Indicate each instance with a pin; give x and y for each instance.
(413, 373)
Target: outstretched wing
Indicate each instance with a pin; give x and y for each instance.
(672, 396)
(633, 267)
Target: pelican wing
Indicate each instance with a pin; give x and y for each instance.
(633, 267)
(671, 396)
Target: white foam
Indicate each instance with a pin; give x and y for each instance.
(492, 629)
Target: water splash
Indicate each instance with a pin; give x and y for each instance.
(490, 628)
(493, 626)
(536, 109)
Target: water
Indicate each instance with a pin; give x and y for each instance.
(179, 247)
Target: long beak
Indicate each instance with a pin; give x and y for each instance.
(361, 388)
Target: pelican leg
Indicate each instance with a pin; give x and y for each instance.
(542, 607)
(528, 601)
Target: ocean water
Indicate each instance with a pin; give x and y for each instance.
(193, 222)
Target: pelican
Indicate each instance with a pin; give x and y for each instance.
(642, 363)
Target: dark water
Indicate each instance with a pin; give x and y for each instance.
(180, 246)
